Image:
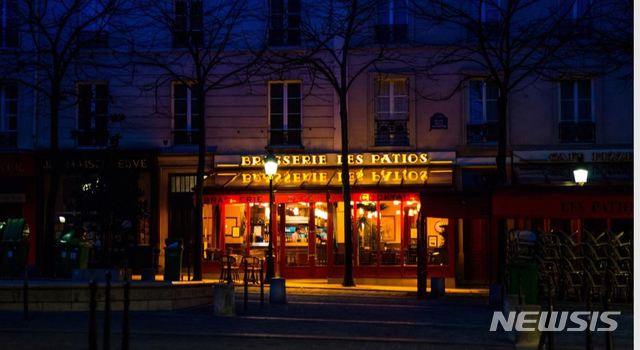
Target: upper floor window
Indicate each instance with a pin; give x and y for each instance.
(285, 114)
(93, 118)
(284, 22)
(391, 112)
(490, 11)
(95, 34)
(187, 23)
(483, 111)
(8, 23)
(186, 115)
(8, 114)
(393, 21)
(573, 9)
(576, 111)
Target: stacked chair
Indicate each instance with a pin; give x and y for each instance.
(598, 262)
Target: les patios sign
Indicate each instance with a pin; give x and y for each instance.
(374, 159)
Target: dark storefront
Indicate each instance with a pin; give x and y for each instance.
(18, 194)
(107, 198)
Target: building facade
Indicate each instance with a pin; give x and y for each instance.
(412, 151)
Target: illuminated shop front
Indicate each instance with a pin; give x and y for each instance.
(307, 228)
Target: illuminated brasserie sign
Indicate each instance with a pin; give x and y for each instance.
(336, 159)
(322, 170)
(324, 176)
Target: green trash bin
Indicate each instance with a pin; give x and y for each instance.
(173, 259)
(523, 277)
(72, 252)
(14, 248)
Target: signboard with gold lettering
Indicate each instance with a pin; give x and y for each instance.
(334, 159)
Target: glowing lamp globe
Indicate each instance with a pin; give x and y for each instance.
(270, 165)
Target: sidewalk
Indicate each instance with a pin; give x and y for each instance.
(323, 283)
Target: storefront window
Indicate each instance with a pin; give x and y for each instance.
(437, 241)
(321, 216)
(296, 234)
(338, 233)
(208, 237)
(368, 233)
(235, 227)
(390, 231)
(259, 232)
(410, 218)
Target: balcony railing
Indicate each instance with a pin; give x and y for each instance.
(481, 133)
(285, 137)
(92, 137)
(577, 132)
(391, 133)
(391, 33)
(186, 137)
(8, 139)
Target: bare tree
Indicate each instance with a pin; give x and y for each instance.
(204, 46)
(510, 43)
(52, 50)
(337, 47)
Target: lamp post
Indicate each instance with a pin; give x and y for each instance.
(580, 175)
(270, 168)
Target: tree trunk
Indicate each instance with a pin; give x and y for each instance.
(202, 149)
(50, 210)
(346, 194)
(501, 157)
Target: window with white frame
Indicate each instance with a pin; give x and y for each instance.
(576, 111)
(573, 9)
(95, 34)
(93, 118)
(483, 111)
(490, 11)
(187, 23)
(285, 114)
(391, 112)
(186, 115)
(8, 23)
(393, 21)
(8, 114)
(284, 22)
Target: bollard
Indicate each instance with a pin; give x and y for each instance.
(106, 338)
(246, 286)
(519, 289)
(25, 294)
(550, 340)
(229, 278)
(125, 316)
(261, 286)
(589, 340)
(606, 300)
(93, 332)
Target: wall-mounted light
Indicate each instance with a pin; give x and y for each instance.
(62, 219)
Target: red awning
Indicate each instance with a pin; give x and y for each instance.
(563, 205)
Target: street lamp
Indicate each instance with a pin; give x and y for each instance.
(270, 169)
(580, 175)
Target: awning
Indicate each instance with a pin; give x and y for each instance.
(575, 204)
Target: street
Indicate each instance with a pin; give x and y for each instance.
(312, 319)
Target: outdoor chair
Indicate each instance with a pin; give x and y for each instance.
(252, 270)
(227, 273)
